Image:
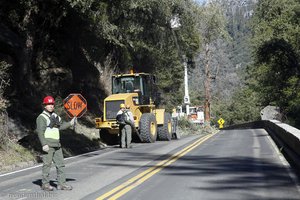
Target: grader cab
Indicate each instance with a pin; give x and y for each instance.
(139, 91)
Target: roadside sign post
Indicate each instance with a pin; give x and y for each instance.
(221, 122)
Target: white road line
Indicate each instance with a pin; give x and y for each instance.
(21, 170)
(36, 166)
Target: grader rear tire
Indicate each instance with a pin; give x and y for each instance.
(165, 131)
(148, 128)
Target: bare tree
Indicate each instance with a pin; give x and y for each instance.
(212, 26)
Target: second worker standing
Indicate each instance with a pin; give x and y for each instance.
(126, 124)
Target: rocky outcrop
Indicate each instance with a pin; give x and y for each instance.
(271, 113)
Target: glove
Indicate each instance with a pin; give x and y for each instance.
(46, 148)
(133, 128)
(57, 123)
(132, 124)
(73, 121)
(54, 122)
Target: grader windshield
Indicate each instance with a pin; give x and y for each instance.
(129, 84)
(143, 84)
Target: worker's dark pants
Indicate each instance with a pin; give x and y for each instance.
(125, 132)
(55, 155)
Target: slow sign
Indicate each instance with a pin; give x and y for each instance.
(75, 105)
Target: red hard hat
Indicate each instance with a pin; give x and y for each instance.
(48, 100)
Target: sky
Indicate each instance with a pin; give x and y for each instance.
(200, 1)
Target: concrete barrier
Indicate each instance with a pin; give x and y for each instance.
(285, 136)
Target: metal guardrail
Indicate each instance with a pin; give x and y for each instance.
(285, 136)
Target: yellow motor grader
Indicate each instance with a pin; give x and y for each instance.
(139, 91)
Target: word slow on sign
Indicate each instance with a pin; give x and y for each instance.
(75, 105)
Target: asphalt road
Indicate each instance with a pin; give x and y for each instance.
(238, 164)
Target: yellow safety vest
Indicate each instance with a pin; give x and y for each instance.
(51, 133)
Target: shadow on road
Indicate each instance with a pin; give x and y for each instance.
(52, 182)
(223, 173)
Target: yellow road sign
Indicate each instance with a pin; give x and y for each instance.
(221, 122)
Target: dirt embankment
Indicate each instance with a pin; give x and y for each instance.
(18, 153)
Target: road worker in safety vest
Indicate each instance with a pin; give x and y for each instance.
(48, 125)
(125, 122)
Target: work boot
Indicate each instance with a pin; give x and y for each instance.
(47, 187)
(64, 187)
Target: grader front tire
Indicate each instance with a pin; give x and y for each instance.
(148, 128)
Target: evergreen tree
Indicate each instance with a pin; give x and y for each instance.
(77, 36)
(276, 50)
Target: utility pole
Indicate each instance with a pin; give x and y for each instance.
(207, 84)
(186, 88)
(175, 24)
